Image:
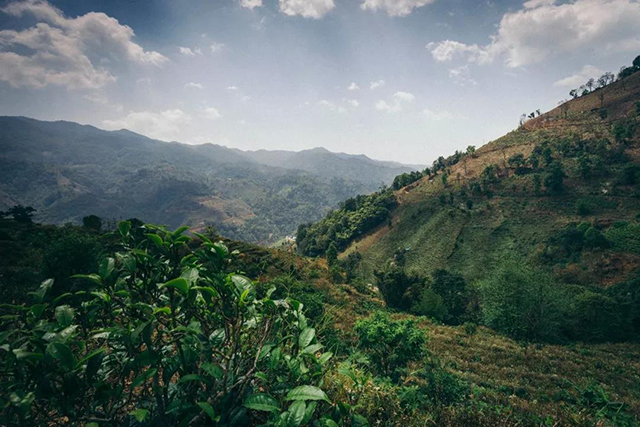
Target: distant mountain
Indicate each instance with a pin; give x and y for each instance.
(67, 170)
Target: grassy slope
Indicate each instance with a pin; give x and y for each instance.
(515, 221)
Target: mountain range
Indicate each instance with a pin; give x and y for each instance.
(67, 171)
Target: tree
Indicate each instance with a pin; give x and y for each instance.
(521, 302)
(20, 214)
(452, 288)
(390, 344)
(332, 254)
(92, 222)
(471, 149)
(590, 84)
(555, 178)
(573, 93)
(517, 161)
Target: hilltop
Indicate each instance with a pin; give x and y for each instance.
(67, 171)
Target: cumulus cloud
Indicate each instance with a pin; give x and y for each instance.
(211, 113)
(331, 106)
(436, 115)
(376, 85)
(400, 99)
(232, 88)
(250, 4)
(353, 102)
(193, 85)
(66, 51)
(314, 9)
(543, 29)
(190, 52)
(450, 49)
(216, 47)
(575, 80)
(165, 125)
(353, 86)
(394, 7)
(462, 76)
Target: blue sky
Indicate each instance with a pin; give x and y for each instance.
(404, 80)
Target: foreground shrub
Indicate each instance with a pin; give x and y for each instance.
(162, 335)
(390, 344)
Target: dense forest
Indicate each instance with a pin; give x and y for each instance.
(497, 287)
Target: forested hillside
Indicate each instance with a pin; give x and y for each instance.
(67, 171)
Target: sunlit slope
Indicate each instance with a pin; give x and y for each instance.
(435, 227)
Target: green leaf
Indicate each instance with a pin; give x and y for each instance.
(306, 336)
(311, 407)
(358, 420)
(164, 310)
(324, 358)
(179, 231)
(212, 370)
(296, 413)
(191, 275)
(90, 355)
(63, 354)
(157, 240)
(307, 392)
(313, 348)
(242, 283)
(143, 377)
(330, 423)
(27, 355)
(221, 249)
(64, 315)
(261, 402)
(208, 409)
(43, 289)
(93, 278)
(106, 268)
(124, 227)
(140, 414)
(180, 284)
(192, 377)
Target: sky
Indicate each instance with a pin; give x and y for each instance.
(402, 80)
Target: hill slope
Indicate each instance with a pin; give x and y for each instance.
(500, 201)
(67, 171)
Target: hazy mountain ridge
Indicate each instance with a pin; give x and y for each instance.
(67, 171)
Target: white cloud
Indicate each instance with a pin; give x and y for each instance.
(400, 99)
(192, 85)
(544, 29)
(232, 88)
(190, 52)
(461, 76)
(353, 102)
(314, 9)
(437, 115)
(394, 7)
(216, 47)
(165, 125)
(353, 86)
(376, 85)
(250, 4)
(579, 78)
(331, 106)
(450, 49)
(65, 51)
(211, 113)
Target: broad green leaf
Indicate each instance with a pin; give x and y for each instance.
(90, 355)
(307, 392)
(164, 310)
(358, 420)
(37, 309)
(64, 315)
(157, 240)
(27, 355)
(212, 370)
(296, 413)
(313, 348)
(261, 402)
(43, 289)
(306, 336)
(208, 409)
(192, 377)
(241, 283)
(143, 377)
(202, 237)
(179, 231)
(311, 407)
(93, 278)
(180, 284)
(124, 227)
(324, 358)
(191, 275)
(330, 423)
(221, 249)
(106, 268)
(63, 354)
(140, 414)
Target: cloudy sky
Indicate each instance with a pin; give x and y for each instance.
(403, 80)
